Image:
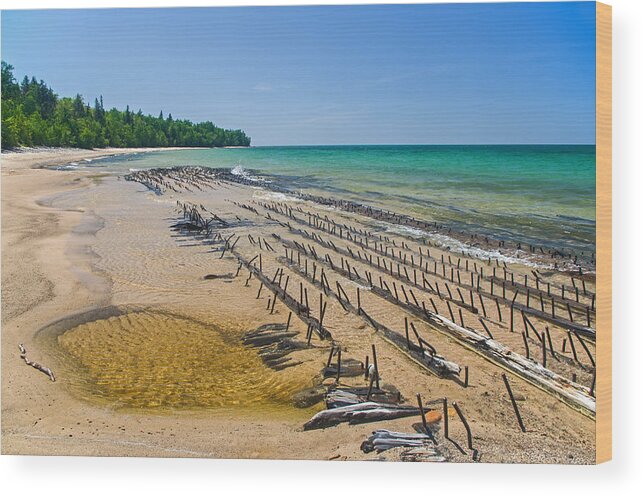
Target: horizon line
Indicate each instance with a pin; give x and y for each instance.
(427, 144)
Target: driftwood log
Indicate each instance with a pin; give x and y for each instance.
(336, 398)
(434, 363)
(572, 393)
(368, 411)
(422, 444)
(45, 370)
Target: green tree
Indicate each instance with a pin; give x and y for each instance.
(32, 114)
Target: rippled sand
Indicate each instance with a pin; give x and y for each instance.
(161, 361)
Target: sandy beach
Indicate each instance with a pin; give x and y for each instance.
(141, 312)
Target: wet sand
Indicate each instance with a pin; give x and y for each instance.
(74, 241)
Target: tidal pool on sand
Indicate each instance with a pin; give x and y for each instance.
(150, 360)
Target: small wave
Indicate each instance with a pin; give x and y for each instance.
(517, 256)
(238, 170)
(405, 230)
(276, 196)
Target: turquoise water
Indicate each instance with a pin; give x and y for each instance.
(543, 194)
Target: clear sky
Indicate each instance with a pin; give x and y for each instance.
(442, 73)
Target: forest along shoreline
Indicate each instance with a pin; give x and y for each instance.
(374, 319)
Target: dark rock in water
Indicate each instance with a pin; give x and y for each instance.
(309, 397)
(218, 276)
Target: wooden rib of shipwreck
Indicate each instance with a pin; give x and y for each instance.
(360, 235)
(289, 301)
(394, 218)
(432, 362)
(581, 329)
(571, 393)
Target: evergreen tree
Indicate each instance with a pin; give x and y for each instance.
(32, 114)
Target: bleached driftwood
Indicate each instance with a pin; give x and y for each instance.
(444, 366)
(423, 454)
(423, 447)
(368, 411)
(35, 365)
(572, 393)
(336, 398)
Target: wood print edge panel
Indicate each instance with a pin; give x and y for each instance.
(604, 232)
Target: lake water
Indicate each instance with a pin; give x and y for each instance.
(541, 194)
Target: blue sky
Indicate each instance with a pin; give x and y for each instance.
(442, 73)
